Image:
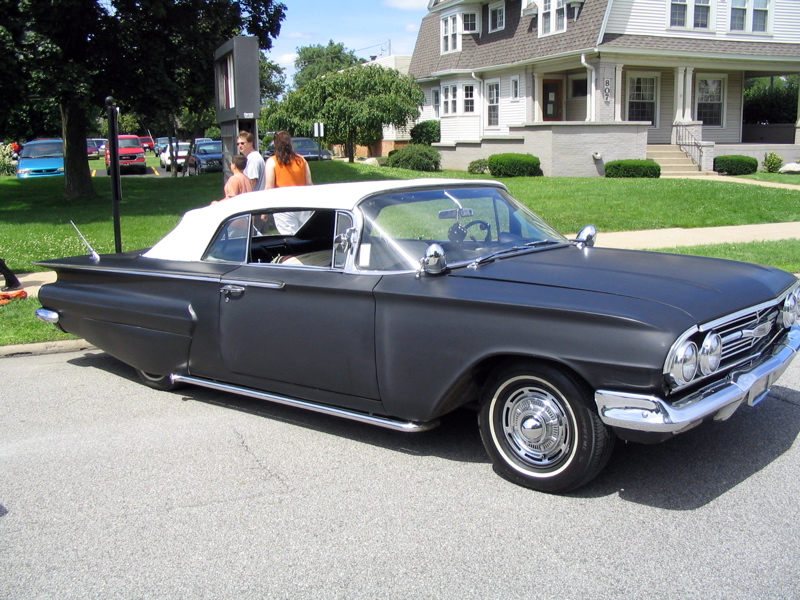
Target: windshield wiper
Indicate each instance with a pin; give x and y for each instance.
(494, 255)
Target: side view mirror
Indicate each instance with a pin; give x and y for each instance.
(434, 262)
(587, 236)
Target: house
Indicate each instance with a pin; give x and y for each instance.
(582, 82)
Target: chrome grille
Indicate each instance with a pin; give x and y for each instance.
(747, 334)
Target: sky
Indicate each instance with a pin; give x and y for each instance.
(368, 27)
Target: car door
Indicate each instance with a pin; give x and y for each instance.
(300, 325)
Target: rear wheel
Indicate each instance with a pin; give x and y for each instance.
(158, 382)
(540, 430)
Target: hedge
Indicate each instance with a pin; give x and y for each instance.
(735, 164)
(416, 157)
(426, 132)
(633, 168)
(514, 165)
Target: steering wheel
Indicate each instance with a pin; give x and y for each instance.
(484, 226)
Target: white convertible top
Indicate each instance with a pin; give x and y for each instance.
(193, 233)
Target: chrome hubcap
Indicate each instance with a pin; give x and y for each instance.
(536, 426)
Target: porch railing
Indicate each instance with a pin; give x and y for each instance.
(689, 144)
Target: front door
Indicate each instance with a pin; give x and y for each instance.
(551, 105)
(299, 326)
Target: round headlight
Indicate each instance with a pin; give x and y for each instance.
(790, 310)
(710, 353)
(797, 302)
(684, 365)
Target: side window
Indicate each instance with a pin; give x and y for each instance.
(294, 238)
(230, 243)
(343, 240)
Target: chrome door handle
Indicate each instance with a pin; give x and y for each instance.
(231, 291)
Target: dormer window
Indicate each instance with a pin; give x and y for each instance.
(469, 23)
(497, 17)
(553, 17)
(450, 34)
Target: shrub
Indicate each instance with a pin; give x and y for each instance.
(479, 166)
(514, 165)
(735, 164)
(416, 157)
(7, 166)
(633, 168)
(772, 162)
(426, 132)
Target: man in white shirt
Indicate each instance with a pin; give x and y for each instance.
(254, 170)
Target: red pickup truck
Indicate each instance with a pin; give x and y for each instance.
(131, 155)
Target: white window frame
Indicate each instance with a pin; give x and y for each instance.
(552, 17)
(514, 89)
(469, 97)
(449, 100)
(476, 17)
(499, 8)
(751, 8)
(436, 102)
(490, 84)
(690, 13)
(656, 93)
(449, 34)
(570, 84)
(723, 79)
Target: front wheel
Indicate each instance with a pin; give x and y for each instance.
(539, 428)
(158, 382)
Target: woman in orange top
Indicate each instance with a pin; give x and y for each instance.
(286, 168)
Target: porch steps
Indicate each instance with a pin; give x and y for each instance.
(674, 162)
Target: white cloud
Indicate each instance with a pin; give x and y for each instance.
(412, 28)
(285, 60)
(407, 4)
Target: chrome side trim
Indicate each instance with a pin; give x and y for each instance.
(144, 273)
(642, 412)
(385, 422)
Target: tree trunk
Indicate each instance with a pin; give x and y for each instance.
(77, 178)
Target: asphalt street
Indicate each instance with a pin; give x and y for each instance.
(109, 489)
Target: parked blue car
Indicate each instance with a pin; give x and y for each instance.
(41, 158)
(206, 158)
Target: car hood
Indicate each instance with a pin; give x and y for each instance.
(41, 163)
(209, 156)
(703, 288)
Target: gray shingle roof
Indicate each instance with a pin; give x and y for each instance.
(679, 45)
(518, 42)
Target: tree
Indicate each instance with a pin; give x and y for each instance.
(272, 79)
(107, 50)
(317, 60)
(354, 105)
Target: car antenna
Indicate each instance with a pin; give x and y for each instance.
(92, 252)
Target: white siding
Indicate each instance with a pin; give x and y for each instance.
(638, 17)
(651, 17)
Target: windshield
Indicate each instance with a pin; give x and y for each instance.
(129, 143)
(304, 144)
(209, 148)
(469, 223)
(50, 149)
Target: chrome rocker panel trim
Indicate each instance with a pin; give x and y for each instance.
(651, 414)
(385, 422)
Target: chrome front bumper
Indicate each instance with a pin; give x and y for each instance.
(651, 414)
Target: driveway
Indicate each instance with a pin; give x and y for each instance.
(109, 489)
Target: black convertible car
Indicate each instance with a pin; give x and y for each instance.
(396, 302)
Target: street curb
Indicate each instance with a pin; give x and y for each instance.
(38, 348)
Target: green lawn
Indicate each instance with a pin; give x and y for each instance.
(34, 216)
